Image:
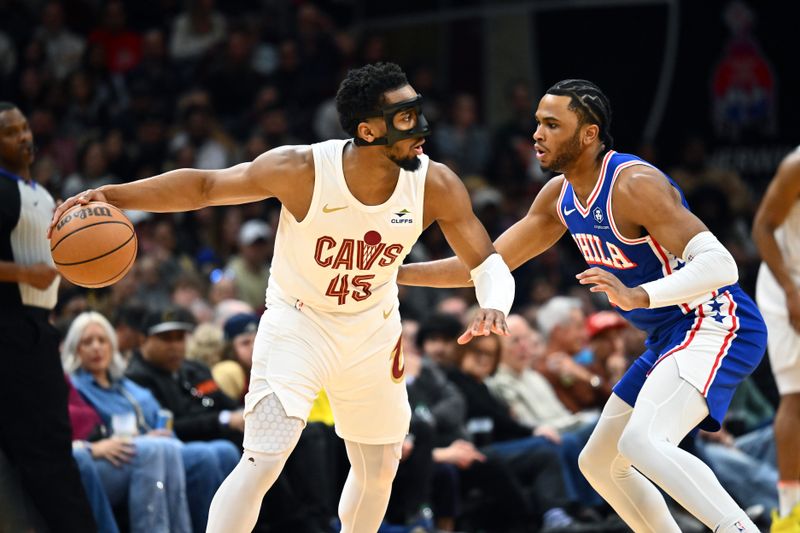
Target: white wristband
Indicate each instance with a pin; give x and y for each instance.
(494, 284)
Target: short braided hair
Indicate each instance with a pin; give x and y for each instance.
(589, 103)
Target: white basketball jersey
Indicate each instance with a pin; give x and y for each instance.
(344, 256)
(769, 295)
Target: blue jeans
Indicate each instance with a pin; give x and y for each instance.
(207, 464)
(154, 484)
(95, 493)
(576, 487)
(749, 480)
(572, 443)
(760, 444)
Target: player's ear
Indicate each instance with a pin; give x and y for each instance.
(591, 133)
(366, 131)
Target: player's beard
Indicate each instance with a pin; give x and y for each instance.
(567, 155)
(410, 164)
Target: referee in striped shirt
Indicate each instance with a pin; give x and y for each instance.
(35, 432)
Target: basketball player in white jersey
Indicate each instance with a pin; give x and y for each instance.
(352, 209)
(776, 232)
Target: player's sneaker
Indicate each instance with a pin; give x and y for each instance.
(787, 524)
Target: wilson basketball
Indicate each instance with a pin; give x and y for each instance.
(93, 245)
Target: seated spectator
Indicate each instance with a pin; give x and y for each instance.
(462, 141)
(90, 351)
(457, 461)
(202, 411)
(233, 374)
(749, 479)
(607, 345)
(127, 320)
(207, 345)
(249, 268)
(196, 31)
(533, 401)
(539, 456)
(563, 323)
(62, 47)
(532, 463)
(436, 338)
(93, 172)
(146, 469)
(528, 394)
(122, 46)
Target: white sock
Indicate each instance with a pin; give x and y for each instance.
(788, 496)
(737, 524)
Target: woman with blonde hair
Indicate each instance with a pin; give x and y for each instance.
(144, 464)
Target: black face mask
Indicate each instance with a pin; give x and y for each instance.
(404, 120)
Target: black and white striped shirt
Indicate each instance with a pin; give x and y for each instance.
(25, 212)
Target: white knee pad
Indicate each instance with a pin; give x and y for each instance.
(268, 429)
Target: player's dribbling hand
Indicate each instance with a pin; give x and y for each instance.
(91, 195)
(618, 294)
(486, 322)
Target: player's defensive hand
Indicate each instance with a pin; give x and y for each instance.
(91, 195)
(618, 294)
(486, 322)
(38, 275)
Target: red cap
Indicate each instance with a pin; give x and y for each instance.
(602, 321)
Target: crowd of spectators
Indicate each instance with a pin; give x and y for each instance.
(116, 91)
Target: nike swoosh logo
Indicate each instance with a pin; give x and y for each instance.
(388, 313)
(326, 209)
(568, 212)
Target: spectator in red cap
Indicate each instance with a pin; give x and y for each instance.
(605, 330)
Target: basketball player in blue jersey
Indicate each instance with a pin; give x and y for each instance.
(352, 210)
(669, 276)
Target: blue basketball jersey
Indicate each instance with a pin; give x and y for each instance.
(633, 261)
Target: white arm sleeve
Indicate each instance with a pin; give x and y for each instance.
(494, 284)
(709, 266)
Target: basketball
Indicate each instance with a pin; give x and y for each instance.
(93, 245)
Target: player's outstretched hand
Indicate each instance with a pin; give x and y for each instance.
(486, 322)
(618, 294)
(91, 195)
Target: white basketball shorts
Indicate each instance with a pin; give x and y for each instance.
(783, 342)
(356, 358)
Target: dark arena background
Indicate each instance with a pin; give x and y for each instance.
(119, 90)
